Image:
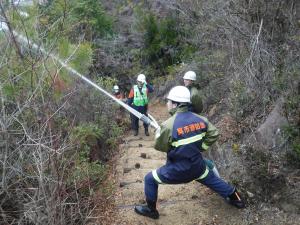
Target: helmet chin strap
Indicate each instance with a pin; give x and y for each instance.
(139, 84)
(179, 104)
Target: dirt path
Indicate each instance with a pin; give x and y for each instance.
(178, 204)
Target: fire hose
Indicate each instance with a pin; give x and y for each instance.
(24, 41)
(146, 119)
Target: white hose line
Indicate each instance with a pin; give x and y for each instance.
(154, 121)
(27, 42)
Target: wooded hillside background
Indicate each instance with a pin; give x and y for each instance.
(57, 135)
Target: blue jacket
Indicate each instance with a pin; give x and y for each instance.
(183, 137)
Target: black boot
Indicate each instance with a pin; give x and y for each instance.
(236, 200)
(146, 131)
(136, 132)
(148, 210)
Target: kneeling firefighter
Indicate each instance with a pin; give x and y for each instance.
(183, 137)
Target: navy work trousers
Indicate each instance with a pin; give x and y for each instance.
(135, 120)
(211, 181)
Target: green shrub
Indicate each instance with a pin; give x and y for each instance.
(91, 17)
(86, 135)
(106, 83)
(82, 58)
(114, 133)
(88, 172)
(161, 40)
(293, 133)
(9, 91)
(64, 48)
(85, 17)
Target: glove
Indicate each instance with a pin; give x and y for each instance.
(145, 119)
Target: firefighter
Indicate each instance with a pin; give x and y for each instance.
(117, 93)
(183, 137)
(138, 99)
(189, 79)
(120, 115)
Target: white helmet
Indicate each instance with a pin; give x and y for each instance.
(141, 78)
(189, 75)
(116, 87)
(180, 94)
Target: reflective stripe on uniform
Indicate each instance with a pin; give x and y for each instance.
(204, 174)
(188, 140)
(155, 175)
(204, 146)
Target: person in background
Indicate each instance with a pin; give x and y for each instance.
(138, 99)
(120, 115)
(117, 93)
(183, 137)
(189, 79)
